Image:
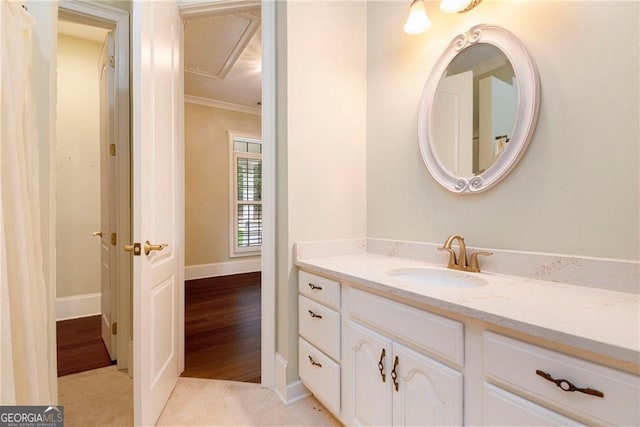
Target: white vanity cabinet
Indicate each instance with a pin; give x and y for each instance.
(387, 383)
(319, 337)
(374, 358)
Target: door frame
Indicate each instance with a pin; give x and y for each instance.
(189, 8)
(92, 12)
(89, 12)
(269, 150)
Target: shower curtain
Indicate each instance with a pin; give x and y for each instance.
(25, 378)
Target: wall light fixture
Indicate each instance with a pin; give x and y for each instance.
(418, 21)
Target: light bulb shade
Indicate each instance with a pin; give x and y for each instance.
(454, 6)
(418, 20)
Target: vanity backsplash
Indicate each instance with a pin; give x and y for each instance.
(609, 274)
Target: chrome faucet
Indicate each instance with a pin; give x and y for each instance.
(460, 262)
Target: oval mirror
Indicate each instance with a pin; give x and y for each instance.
(478, 110)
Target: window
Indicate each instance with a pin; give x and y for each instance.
(245, 194)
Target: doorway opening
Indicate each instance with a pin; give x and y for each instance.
(93, 300)
(223, 193)
(268, 272)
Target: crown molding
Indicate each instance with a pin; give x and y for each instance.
(208, 102)
(200, 8)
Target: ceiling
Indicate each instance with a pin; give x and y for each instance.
(223, 58)
(82, 31)
(480, 57)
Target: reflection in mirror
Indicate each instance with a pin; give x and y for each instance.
(474, 110)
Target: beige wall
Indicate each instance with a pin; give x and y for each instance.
(576, 189)
(78, 167)
(207, 180)
(325, 180)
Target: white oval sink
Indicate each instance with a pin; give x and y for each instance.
(438, 277)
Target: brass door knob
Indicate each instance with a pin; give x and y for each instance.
(97, 233)
(148, 247)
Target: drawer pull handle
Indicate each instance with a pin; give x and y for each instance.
(314, 287)
(394, 373)
(381, 365)
(312, 314)
(314, 363)
(565, 385)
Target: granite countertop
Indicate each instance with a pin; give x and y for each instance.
(596, 320)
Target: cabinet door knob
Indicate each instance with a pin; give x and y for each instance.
(567, 386)
(314, 287)
(394, 373)
(381, 365)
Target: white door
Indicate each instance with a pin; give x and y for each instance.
(428, 392)
(498, 104)
(367, 377)
(108, 275)
(453, 112)
(158, 205)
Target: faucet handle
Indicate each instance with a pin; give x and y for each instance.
(473, 264)
(452, 256)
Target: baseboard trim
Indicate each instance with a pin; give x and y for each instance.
(281, 377)
(78, 306)
(203, 271)
(296, 391)
(288, 393)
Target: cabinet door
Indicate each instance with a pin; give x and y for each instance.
(428, 392)
(367, 395)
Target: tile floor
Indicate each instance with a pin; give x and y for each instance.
(100, 397)
(103, 397)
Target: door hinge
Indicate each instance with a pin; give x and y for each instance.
(112, 61)
(114, 328)
(114, 239)
(112, 149)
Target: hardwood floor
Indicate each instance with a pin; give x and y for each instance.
(80, 346)
(222, 328)
(222, 332)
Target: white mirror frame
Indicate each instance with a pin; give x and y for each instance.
(528, 83)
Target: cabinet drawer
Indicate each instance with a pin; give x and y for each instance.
(320, 326)
(502, 408)
(320, 289)
(319, 374)
(426, 331)
(514, 364)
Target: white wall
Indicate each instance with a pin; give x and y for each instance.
(325, 180)
(78, 167)
(575, 191)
